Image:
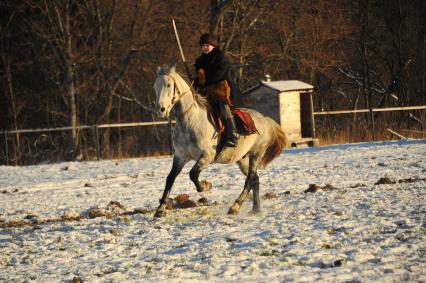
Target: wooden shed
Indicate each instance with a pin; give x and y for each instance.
(290, 104)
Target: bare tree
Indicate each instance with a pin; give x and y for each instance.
(53, 24)
(7, 81)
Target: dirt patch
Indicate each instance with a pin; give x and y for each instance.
(113, 209)
(203, 201)
(9, 192)
(358, 185)
(385, 181)
(30, 216)
(388, 181)
(68, 218)
(183, 201)
(96, 212)
(137, 211)
(412, 180)
(15, 223)
(33, 220)
(270, 195)
(313, 188)
(116, 207)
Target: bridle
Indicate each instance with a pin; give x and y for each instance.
(177, 95)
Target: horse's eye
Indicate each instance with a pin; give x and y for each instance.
(168, 85)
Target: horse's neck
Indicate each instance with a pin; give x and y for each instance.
(187, 101)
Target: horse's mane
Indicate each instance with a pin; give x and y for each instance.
(199, 99)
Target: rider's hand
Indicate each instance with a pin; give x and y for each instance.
(201, 77)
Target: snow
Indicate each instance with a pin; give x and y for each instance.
(289, 85)
(356, 232)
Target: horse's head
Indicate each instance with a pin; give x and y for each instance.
(166, 91)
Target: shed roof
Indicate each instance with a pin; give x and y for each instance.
(283, 86)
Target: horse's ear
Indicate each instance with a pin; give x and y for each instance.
(173, 69)
(158, 70)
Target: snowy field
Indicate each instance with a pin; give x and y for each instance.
(92, 221)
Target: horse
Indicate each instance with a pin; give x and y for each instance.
(195, 137)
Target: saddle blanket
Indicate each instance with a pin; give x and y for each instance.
(244, 122)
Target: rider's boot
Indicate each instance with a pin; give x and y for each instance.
(230, 128)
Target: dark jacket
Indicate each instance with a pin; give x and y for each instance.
(215, 65)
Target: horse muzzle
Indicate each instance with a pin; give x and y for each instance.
(162, 112)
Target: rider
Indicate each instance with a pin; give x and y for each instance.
(212, 68)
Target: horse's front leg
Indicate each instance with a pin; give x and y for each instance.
(201, 163)
(177, 167)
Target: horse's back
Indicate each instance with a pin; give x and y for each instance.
(271, 140)
(263, 123)
(269, 133)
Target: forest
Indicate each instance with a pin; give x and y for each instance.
(73, 63)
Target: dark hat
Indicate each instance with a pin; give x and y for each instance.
(208, 38)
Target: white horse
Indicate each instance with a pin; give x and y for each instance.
(195, 138)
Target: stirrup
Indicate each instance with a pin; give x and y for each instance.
(231, 142)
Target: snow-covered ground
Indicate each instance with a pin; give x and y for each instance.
(356, 231)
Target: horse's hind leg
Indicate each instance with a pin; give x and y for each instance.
(252, 182)
(201, 163)
(177, 167)
(243, 164)
(256, 197)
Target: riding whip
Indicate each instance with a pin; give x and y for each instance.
(181, 51)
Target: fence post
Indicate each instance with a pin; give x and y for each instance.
(373, 128)
(6, 147)
(97, 141)
(311, 102)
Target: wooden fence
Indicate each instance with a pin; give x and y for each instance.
(372, 111)
(95, 128)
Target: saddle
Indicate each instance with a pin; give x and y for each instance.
(243, 120)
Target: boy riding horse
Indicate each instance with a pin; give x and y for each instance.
(212, 68)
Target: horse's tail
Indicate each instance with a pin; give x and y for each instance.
(278, 141)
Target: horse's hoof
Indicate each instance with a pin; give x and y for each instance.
(234, 209)
(160, 213)
(254, 211)
(205, 186)
(168, 204)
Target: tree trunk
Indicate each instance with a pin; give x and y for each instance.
(108, 90)
(8, 89)
(366, 80)
(69, 79)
